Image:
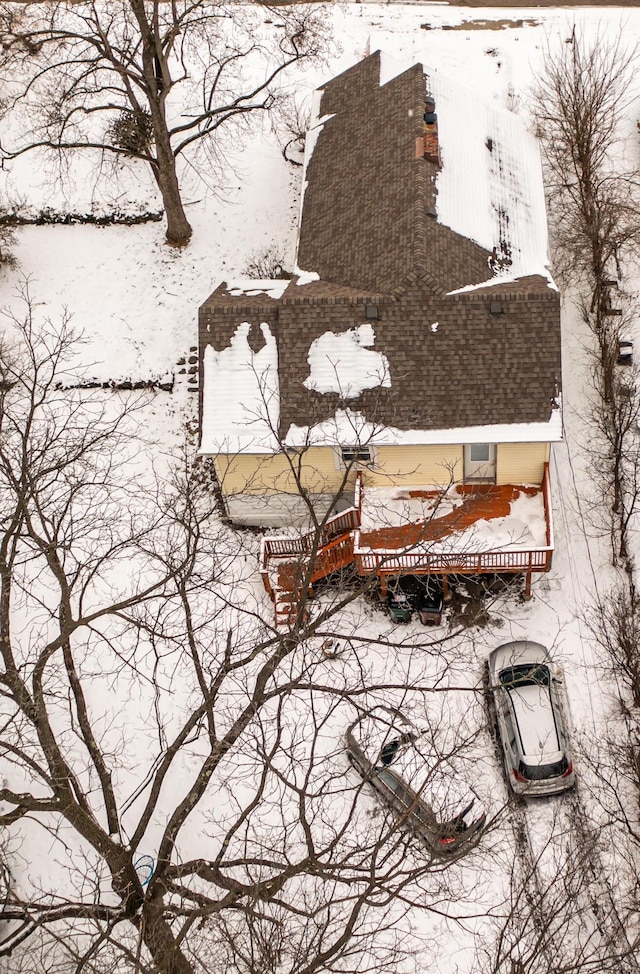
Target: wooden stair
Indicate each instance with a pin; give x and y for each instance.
(288, 565)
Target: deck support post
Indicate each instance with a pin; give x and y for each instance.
(445, 587)
(383, 586)
(527, 586)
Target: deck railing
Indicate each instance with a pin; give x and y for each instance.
(279, 546)
(332, 558)
(548, 512)
(460, 562)
(334, 551)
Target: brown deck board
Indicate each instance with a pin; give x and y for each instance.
(482, 502)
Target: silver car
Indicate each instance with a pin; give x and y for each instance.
(529, 701)
(391, 755)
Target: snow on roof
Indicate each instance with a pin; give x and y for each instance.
(500, 281)
(390, 67)
(245, 285)
(350, 428)
(343, 362)
(241, 401)
(306, 277)
(490, 187)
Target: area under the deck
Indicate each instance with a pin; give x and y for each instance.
(485, 516)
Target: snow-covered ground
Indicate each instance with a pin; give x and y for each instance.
(136, 301)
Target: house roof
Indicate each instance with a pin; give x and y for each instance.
(427, 240)
(374, 211)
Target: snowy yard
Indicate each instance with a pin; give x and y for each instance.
(135, 302)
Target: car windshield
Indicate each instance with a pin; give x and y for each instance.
(540, 772)
(525, 675)
(390, 748)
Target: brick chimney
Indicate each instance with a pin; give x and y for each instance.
(430, 137)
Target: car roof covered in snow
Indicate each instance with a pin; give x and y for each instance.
(536, 722)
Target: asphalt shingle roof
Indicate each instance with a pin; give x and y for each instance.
(370, 230)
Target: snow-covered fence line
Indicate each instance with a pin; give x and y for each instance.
(50, 216)
(162, 383)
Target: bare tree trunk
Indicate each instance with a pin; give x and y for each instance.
(158, 85)
(161, 942)
(178, 227)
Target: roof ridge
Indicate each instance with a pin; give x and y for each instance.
(321, 290)
(421, 196)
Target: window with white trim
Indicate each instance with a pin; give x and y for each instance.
(356, 456)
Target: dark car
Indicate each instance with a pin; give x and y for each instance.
(423, 594)
(424, 790)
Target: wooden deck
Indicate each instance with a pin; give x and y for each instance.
(481, 502)
(290, 565)
(434, 545)
(444, 544)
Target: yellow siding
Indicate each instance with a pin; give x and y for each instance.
(521, 463)
(249, 473)
(403, 465)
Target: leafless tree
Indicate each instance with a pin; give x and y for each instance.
(615, 623)
(147, 80)
(580, 98)
(290, 122)
(182, 757)
(613, 763)
(595, 206)
(581, 95)
(614, 413)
